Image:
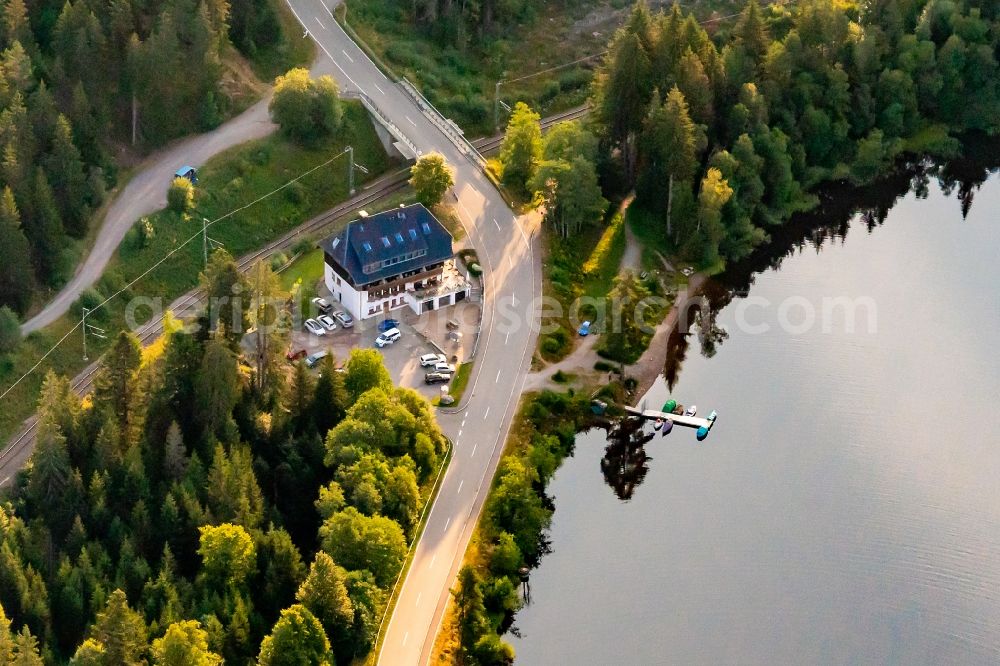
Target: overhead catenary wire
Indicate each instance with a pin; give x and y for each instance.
(163, 259)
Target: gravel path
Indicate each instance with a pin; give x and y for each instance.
(146, 193)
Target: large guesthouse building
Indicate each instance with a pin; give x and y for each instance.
(399, 258)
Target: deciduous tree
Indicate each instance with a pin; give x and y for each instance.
(306, 109)
(521, 149)
(184, 644)
(297, 639)
(430, 177)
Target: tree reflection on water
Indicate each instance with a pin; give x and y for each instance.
(624, 462)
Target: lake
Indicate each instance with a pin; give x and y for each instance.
(845, 509)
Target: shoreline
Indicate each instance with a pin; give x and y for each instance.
(649, 367)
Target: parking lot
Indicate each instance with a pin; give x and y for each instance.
(402, 358)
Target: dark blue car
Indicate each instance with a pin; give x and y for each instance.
(384, 326)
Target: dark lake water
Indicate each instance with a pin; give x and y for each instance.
(846, 507)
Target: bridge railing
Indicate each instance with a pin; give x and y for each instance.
(449, 127)
(383, 119)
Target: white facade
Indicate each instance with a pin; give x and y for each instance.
(452, 287)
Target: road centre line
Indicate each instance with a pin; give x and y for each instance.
(474, 447)
(320, 22)
(347, 56)
(486, 413)
(498, 376)
(318, 43)
(460, 484)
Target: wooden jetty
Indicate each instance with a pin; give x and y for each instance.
(695, 422)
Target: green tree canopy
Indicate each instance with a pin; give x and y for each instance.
(521, 149)
(184, 644)
(306, 109)
(180, 196)
(431, 177)
(356, 541)
(364, 371)
(297, 639)
(10, 330)
(227, 553)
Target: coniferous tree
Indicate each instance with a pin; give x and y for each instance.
(15, 270)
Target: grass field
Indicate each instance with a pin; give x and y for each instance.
(461, 381)
(229, 180)
(583, 266)
(461, 82)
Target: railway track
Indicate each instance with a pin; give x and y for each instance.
(490, 143)
(11, 458)
(83, 383)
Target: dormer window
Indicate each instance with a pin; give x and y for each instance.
(385, 241)
(367, 246)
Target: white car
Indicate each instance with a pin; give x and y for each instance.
(327, 322)
(444, 366)
(432, 359)
(313, 327)
(388, 337)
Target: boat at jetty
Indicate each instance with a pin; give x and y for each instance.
(674, 414)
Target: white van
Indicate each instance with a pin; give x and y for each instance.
(388, 337)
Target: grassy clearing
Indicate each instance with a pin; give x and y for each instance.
(461, 381)
(231, 179)
(652, 233)
(448, 216)
(461, 82)
(579, 274)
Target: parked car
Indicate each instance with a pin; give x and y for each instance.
(432, 359)
(313, 327)
(345, 319)
(322, 305)
(327, 322)
(295, 354)
(388, 337)
(313, 359)
(584, 328)
(452, 324)
(386, 324)
(443, 366)
(437, 377)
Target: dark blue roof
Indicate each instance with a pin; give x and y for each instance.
(386, 244)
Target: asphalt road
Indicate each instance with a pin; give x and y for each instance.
(510, 256)
(146, 192)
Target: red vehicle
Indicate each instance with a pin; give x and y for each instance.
(294, 355)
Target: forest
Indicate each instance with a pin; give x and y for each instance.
(73, 76)
(723, 137)
(197, 508)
